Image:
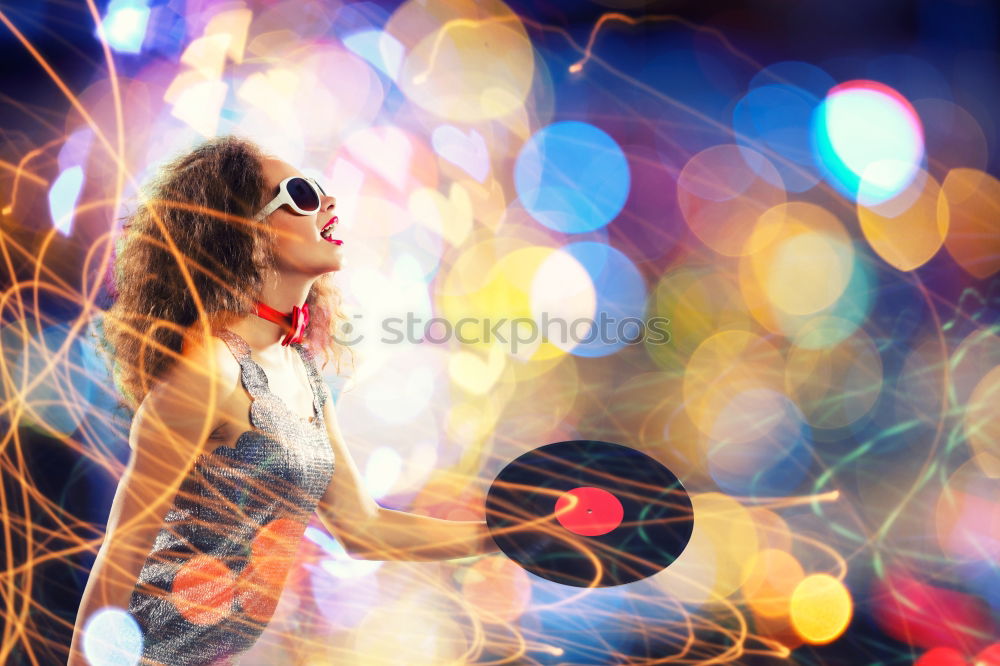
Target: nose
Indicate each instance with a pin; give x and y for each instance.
(329, 202)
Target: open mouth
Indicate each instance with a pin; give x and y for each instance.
(326, 233)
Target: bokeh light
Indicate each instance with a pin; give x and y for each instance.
(572, 177)
(908, 229)
(821, 608)
(868, 140)
(775, 119)
(762, 247)
(112, 637)
(974, 238)
(124, 25)
(450, 66)
(723, 191)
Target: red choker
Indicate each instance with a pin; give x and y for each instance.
(295, 321)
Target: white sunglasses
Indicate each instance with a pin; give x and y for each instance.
(303, 195)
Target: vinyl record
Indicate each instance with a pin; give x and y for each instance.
(588, 513)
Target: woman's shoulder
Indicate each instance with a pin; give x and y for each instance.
(203, 360)
(198, 386)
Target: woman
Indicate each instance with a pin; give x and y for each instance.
(223, 282)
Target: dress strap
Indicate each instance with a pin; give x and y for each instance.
(315, 377)
(254, 378)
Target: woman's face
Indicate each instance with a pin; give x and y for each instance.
(300, 247)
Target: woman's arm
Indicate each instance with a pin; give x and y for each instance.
(166, 436)
(398, 535)
(372, 532)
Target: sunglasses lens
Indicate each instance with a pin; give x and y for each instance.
(303, 194)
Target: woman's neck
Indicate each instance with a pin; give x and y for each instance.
(263, 336)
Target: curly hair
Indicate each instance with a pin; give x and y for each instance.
(191, 253)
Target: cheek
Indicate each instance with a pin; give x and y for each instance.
(297, 246)
(293, 230)
(292, 250)
(285, 242)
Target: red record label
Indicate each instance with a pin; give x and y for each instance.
(596, 512)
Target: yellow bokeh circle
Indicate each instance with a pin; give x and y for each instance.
(466, 60)
(820, 608)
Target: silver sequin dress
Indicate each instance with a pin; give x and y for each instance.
(211, 583)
